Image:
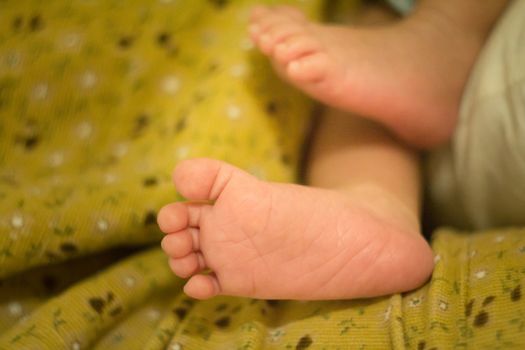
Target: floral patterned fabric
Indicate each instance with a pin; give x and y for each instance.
(99, 99)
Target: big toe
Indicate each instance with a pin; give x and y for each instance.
(205, 179)
(195, 178)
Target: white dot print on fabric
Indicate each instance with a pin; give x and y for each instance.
(233, 112)
(120, 150)
(110, 178)
(129, 281)
(84, 130)
(387, 313)
(276, 334)
(238, 70)
(183, 152)
(480, 274)
(15, 309)
(170, 84)
(56, 159)
(102, 225)
(17, 221)
(415, 301)
(499, 238)
(175, 346)
(88, 79)
(153, 314)
(41, 91)
(70, 41)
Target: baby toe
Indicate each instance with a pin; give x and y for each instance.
(202, 286)
(295, 47)
(188, 265)
(172, 217)
(309, 69)
(275, 33)
(195, 178)
(282, 32)
(180, 244)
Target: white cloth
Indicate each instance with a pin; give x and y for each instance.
(478, 180)
(402, 6)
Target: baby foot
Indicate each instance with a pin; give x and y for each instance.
(396, 74)
(271, 240)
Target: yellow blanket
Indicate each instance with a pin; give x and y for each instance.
(99, 99)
